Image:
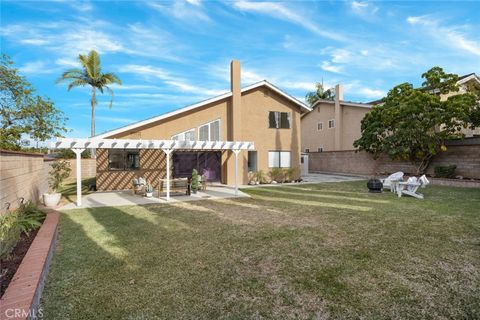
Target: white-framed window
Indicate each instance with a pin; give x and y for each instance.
(279, 159)
(320, 126)
(209, 131)
(320, 149)
(188, 135)
(279, 120)
(331, 123)
(307, 150)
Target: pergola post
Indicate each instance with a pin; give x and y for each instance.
(78, 153)
(236, 151)
(167, 153)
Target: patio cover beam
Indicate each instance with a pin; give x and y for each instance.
(79, 145)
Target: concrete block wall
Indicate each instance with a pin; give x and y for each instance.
(465, 155)
(88, 168)
(22, 175)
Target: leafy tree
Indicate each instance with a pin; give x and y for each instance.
(23, 113)
(90, 75)
(320, 93)
(413, 124)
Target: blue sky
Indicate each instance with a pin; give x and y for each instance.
(170, 54)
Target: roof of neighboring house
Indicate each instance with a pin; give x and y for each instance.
(462, 79)
(201, 104)
(342, 102)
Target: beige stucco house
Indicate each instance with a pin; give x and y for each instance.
(332, 125)
(259, 113)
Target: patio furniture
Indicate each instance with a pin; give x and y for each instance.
(139, 185)
(411, 186)
(392, 181)
(176, 185)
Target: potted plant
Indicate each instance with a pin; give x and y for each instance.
(195, 181)
(149, 190)
(60, 171)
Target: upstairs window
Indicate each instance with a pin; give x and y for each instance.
(331, 123)
(320, 126)
(320, 149)
(188, 135)
(123, 159)
(307, 150)
(279, 120)
(209, 131)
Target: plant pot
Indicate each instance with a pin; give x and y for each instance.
(51, 200)
(194, 191)
(375, 186)
(149, 194)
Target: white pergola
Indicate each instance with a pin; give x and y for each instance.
(167, 146)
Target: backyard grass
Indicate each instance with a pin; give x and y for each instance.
(309, 251)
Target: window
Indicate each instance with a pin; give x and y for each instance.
(279, 120)
(320, 126)
(320, 149)
(252, 161)
(209, 131)
(331, 123)
(307, 150)
(123, 159)
(279, 159)
(188, 135)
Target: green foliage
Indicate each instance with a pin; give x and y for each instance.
(413, 124)
(90, 75)
(13, 223)
(195, 180)
(24, 114)
(277, 174)
(59, 172)
(260, 176)
(69, 154)
(445, 171)
(319, 93)
(148, 188)
(291, 174)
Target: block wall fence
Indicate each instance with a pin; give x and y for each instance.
(22, 175)
(465, 154)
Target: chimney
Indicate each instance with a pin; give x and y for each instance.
(338, 117)
(236, 108)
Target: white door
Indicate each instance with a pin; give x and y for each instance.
(304, 164)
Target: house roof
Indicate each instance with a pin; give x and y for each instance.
(201, 104)
(342, 102)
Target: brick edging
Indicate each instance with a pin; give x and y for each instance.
(22, 297)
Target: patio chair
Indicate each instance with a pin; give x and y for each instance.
(139, 185)
(392, 180)
(411, 186)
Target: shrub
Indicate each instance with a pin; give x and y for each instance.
(445, 171)
(260, 176)
(194, 180)
(60, 171)
(277, 174)
(291, 174)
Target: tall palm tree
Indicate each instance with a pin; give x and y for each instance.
(90, 75)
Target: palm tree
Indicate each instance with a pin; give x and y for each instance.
(90, 75)
(319, 93)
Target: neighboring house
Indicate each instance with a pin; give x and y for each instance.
(259, 113)
(332, 125)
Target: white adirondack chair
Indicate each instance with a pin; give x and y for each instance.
(411, 186)
(392, 180)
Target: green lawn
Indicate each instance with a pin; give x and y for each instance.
(312, 251)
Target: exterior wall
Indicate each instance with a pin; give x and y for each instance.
(22, 175)
(255, 105)
(152, 164)
(88, 168)
(313, 139)
(464, 154)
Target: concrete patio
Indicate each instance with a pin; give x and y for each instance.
(126, 197)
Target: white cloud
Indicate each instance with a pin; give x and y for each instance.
(363, 8)
(36, 67)
(371, 93)
(453, 36)
(34, 42)
(279, 11)
(70, 63)
(327, 66)
(187, 11)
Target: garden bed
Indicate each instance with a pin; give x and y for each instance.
(10, 264)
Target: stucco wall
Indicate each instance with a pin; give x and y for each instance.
(22, 175)
(255, 105)
(466, 156)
